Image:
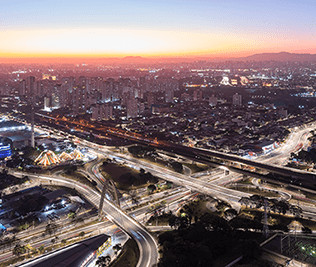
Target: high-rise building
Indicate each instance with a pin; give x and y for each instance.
(107, 90)
(66, 99)
(102, 112)
(131, 107)
(28, 87)
(47, 105)
(237, 100)
(56, 97)
(150, 99)
(141, 108)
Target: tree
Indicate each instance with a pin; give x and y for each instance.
(18, 250)
(41, 249)
(213, 222)
(169, 184)
(134, 196)
(149, 177)
(103, 261)
(28, 248)
(282, 206)
(71, 169)
(306, 230)
(251, 249)
(117, 248)
(173, 221)
(177, 166)
(151, 188)
(82, 234)
(51, 228)
(72, 215)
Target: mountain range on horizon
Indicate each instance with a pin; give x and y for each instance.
(278, 57)
(281, 56)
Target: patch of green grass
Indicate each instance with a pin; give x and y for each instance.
(245, 181)
(77, 176)
(196, 167)
(129, 255)
(279, 218)
(126, 178)
(256, 191)
(162, 219)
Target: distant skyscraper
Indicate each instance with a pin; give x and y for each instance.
(102, 112)
(56, 97)
(144, 84)
(237, 100)
(66, 92)
(28, 87)
(131, 107)
(47, 105)
(150, 99)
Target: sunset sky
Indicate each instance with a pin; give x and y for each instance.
(46, 28)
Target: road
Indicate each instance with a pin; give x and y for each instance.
(198, 153)
(147, 244)
(297, 140)
(5, 255)
(107, 227)
(213, 187)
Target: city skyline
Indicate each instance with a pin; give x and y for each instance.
(147, 28)
(157, 133)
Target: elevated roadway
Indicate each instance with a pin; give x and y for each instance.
(146, 243)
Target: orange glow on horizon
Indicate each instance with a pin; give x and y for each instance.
(97, 43)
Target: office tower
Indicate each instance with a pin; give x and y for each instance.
(47, 105)
(102, 112)
(150, 99)
(28, 87)
(237, 100)
(65, 95)
(131, 107)
(56, 97)
(32, 128)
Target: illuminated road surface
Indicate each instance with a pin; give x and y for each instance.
(147, 244)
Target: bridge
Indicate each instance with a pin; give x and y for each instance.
(299, 177)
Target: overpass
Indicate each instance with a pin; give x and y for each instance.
(229, 159)
(145, 241)
(299, 177)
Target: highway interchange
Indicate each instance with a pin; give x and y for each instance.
(212, 185)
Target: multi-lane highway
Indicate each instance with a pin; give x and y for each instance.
(197, 153)
(147, 244)
(212, 186)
